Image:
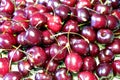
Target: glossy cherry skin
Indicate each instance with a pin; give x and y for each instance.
(47, 37)
(98, 21)
(24, 67)
(73, 62)
(82, 15)
(94, 49)
(36, 56)
(80, 46)
(33, 36)
(55, 23)
(86, 75)
(103, 9)
(62, 40)
(62, 11)
(115, 46)
(41, 8)
(59, 52)
(20, 12)
(70, 3)
(14, 75)
(106, 55)
(71, 26)
(105, 36)
(38, 19)
(112, 22)
(116, 13)
(62, 74)
(15, 55)
(89, 33)
(43, 76)
(114, 3)
(116, 67)
(104, 70)
(7, 6)
(7, 40)
(19, 23)
(83, 3)
(89, 64)
(4, 66)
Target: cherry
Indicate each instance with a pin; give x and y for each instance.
(38, 19)
(70, 3)
(57, 52)
(15, 55)
(46, 37)
(14, 75)
(83, 3)
(4, 66)
(86, 75)
(62, 74)
(20, 3)
(41, 8)
(36, 56)
(73, 62)
(116, 13)
(98, 21)
(94, 49)
(112, 22)
(80, 46)
(62, 40)
(7, 6)
(104, 70)
(24, 67)
(116, 67)
(82, 15)
(55, 23)
(62, 11)
(89, 33)
(71, 26)
(105, 36)
(115, 46)
(114, 3)
(89, 64)
(43, 76)
(19, 12)
(32, 36)
(106, 55)
(19, 23)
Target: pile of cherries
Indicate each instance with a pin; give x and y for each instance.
(59, 39)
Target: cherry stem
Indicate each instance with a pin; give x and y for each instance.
(91, 10)
(101, 2)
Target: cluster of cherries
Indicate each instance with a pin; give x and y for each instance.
(59, 39)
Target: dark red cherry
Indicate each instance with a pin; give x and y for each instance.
(116, 67)
(112, 22)
(43, 76)
(7, 6)
(36, 56)
(114, 3)
(41, 8)
(38, 19)
(62, 74)
(47, 37)
(58, 52)
(24, 67)
(89, 33)
(71, 26)
(73, 62)
(104, 70)
(98, 21)
(82, 15)
(80, 46)
(4, 66)
(15, 55)
(55, 23)
(86, 75)
(83, 3)
(116, 13)
(20, 12)
(62, 40)
(33, 36)
(20, 23)
(70, 3)
(62, 11)
(103, 9)
(89, 64)
(106, 55)
(94, 49)
(13, 75)
(105, 36)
